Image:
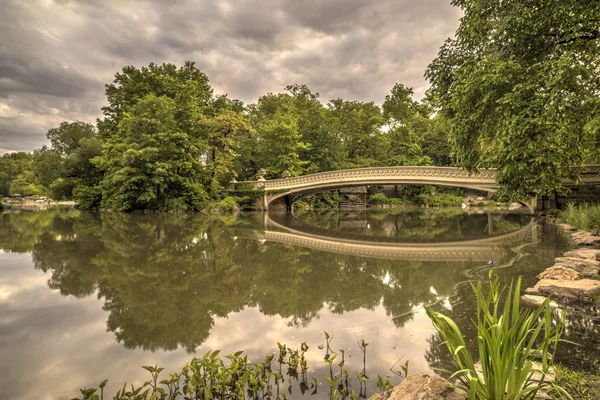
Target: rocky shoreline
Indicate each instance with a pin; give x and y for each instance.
(574, 278)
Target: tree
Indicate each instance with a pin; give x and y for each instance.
(408, 123)
(325, 152)
(358, 126)
(151, 163)
(65, 169)
(280, 145)
(520, 83)
(187, 86)
(16, 175)
(224, 133)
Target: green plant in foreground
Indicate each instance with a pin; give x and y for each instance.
(509, 340)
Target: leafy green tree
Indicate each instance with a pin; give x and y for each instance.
(520, 84)
(408, 122)
(358, 126)
(65, 169)
(16, 175)
(325, 150)
(280, 144)
(187, 86)
(151, 163)
(47, 165)
(224, 132)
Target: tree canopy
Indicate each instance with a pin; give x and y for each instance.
(167, 142)
(520, 82)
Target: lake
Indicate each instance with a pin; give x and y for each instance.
(87, 296)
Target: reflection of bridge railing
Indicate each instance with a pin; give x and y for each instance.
(477, 250)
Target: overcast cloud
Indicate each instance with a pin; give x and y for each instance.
(56, 56)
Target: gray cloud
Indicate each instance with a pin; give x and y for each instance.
(56, 56)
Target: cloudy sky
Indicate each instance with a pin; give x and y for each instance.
(56, 55)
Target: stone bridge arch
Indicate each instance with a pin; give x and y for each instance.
(283, 193)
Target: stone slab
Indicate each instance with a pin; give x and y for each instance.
(558, 272)
(582, 289)
(589, 254)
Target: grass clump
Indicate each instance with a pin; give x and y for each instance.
(583, 216)
(581, 385)
(509, 340)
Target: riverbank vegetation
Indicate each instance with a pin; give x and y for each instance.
(167, 142)
(585, 216)
(279, 375)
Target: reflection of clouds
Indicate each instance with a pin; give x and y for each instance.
(53, 345)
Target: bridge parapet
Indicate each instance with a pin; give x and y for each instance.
(377, 173)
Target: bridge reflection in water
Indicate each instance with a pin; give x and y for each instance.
(287, 229)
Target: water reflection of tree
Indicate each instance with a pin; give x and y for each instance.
(164, 278)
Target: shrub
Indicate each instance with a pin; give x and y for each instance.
(228, 204)
(509, 341)
(88, 197)
(584, 216)
(378, 199)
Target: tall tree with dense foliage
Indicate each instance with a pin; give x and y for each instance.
(65, 168)
(520, 82)
(280, 145)
(151, 163)
(167, 139)
(325, 152)
(408, 121)
(358, 125)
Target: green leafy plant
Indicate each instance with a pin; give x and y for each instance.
(509, 341)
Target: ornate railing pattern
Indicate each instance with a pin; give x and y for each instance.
(451, 176)
(379, 173)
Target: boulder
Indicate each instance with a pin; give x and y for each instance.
(582, 289)
(586, 267)
(588, 254)
(536, 301)
(421, 386)
(560, 273)
(585, 238)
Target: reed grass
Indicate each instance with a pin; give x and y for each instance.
(583, 216)
(509, 341)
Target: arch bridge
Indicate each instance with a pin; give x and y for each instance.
(282, 193)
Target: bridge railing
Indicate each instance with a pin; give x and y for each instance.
(420, 172)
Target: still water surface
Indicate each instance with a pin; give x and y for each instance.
(89, 296)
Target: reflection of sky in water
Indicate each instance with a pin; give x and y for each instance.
(52, 344)
(57, 344)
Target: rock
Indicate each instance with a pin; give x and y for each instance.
(423, 387)
(536, 301)
(560, 273)
(588, 254)
(586, 267)
(582, 289)
(567, 227)
(585, 238)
